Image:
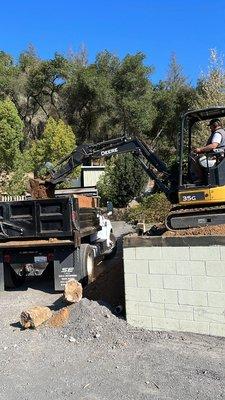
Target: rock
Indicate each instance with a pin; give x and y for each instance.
(72, 339)
(73, 291)
(133, 204)
(35, 316)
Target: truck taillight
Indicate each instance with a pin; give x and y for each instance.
(7, 258)
(74, 216)
(50, 257)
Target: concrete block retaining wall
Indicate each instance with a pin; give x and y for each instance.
(175, 284)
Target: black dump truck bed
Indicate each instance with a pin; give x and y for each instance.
(48, 236)
(45, 218)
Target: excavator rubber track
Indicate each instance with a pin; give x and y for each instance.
(186, 218)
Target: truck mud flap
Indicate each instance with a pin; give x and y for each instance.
(66, 266)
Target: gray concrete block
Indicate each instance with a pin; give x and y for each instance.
(148, 253)
(179, 312)
(149, 281)
(168, 296)
(151, 309)
(136, 266)
(165, 324)
(177, 282)
(217, 329)
(207, 283)
(130, 280)
(206, 253)
(137, 294)
(215, 268)
(195, 327)
(190, 268)
(175, 253)
(132, 307)
(165, 267)
(216, 300)
(129, 253)
(192, 298)
(209, 314)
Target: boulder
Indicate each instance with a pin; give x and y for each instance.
(73, 291)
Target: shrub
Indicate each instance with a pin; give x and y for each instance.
(152, 209)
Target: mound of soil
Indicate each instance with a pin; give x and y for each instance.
(40, 189)
(203, 231)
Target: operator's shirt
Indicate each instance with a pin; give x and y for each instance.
(217, 138)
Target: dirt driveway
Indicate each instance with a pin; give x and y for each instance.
(97, 356)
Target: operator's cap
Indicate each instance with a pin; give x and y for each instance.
(214, 121)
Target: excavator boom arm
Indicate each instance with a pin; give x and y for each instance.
(86, 152)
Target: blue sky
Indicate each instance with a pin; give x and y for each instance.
(158, 28)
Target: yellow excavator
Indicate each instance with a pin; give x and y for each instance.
(193, 204)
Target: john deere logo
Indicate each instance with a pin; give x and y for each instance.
(109, 152)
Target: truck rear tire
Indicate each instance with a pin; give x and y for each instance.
(11, 278)
(87, 262)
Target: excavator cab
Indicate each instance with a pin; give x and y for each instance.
(212, 187)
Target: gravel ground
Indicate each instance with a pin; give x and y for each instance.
(98, 356)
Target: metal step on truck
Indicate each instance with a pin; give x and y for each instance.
(61, 235)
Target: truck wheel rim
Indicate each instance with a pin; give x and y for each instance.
(90, 265)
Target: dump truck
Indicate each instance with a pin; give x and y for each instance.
(62, 236)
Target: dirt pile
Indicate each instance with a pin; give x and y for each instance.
(90, 320)
(40, 189)
(203, 231)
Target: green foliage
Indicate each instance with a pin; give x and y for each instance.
(57, 141)
(11, 134)
(8, 76)
(210, 91)
(152, 209)
(134, 95)
(172, 97)
(110, 97)
(123, 180)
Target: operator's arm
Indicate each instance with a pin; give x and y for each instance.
(206, 149)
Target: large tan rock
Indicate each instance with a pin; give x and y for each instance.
(73, 291)
(35, 316)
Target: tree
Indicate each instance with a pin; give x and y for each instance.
(57, 141)
(11, 135)
(123, 180)
(210, 92)
(8, 76)
(134, 95)
(90, 101)
(110, 96)
(172, 97)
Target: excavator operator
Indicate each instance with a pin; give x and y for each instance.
(215, 141)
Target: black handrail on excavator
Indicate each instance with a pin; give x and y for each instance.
(138, 148)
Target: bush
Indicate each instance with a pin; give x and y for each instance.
(152, 209)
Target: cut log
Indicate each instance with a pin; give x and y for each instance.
(73, 291)
(60, 318)
(35, 316)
